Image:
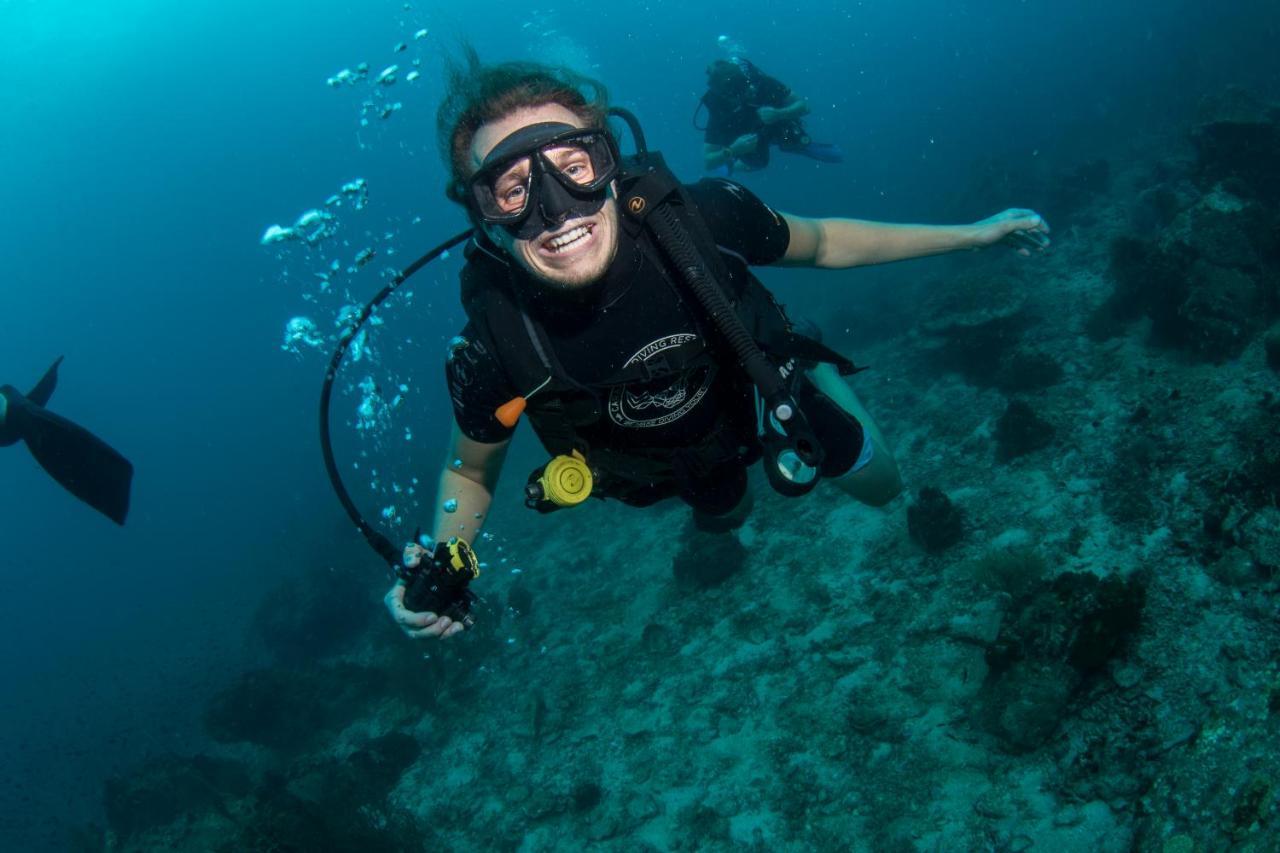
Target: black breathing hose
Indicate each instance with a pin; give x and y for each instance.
(386, 550)
(675, 241)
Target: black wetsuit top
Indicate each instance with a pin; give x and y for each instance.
(636, 314)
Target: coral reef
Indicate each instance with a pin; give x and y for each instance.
(312, 615)
(1027, 370)
(933, 521)
(170, 788)
(705, 559)
(1046, 650)
(1272, 344)
(287, 709)
(1020, 431)
(1240, 145)
(1014, 571)
(1205, 268)
(978, 320)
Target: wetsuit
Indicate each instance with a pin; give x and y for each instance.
(688, 432)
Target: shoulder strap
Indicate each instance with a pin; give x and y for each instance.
(494, 313)
(652, 183)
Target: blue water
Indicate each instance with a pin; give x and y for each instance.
(145, 147)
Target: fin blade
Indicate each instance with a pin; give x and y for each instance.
(44, 388)
(84, 464)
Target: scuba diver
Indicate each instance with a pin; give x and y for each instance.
(615, 306)
(749, 111)
(75, 457)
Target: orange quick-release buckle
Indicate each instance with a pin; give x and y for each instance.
(508, 414)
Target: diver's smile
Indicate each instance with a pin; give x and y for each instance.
(574, 239)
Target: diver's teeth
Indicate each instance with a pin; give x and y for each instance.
(568, 237)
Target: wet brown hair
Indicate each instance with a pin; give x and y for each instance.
(476, 94)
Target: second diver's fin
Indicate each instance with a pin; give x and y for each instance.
(84, 464)
(44, 388)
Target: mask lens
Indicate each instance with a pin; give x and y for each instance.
(584, 161)
(507, 192)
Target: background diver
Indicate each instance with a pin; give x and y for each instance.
(575, 314)
(749, 111)
(83, 463)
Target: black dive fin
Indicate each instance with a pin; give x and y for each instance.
(44, 388)
(83, 463)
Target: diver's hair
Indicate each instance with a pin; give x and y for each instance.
(725, 76)
(476, 94)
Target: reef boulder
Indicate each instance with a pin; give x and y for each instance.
(1064, 634)
(286, 709)
(1020, 431)
(168, 788)
(933, 521)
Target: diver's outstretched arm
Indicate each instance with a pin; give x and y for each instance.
(834, 243)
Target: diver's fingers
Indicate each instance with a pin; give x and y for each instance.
(1038, 235)
(437, 628)
(404, 617)
(1024, 242)
(413, 553)
(1025, 219)
(409, 620)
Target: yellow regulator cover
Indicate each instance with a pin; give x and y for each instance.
(566, 481)
(462, 558)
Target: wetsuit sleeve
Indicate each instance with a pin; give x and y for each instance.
(740, 221)
(477, 386)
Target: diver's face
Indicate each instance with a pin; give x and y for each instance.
(576, 253)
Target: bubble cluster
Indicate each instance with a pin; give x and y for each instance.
(377, 104)
(334, 259)
(311, 227)
(300, 333)
(348, 76)
(372, 412)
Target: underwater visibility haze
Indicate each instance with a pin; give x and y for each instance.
(1061, 636)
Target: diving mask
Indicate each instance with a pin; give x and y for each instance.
(541, 176)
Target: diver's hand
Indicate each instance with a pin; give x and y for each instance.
(417, 625)
(744, 144)
(773, 115)
(1024, 230)
(769, 115)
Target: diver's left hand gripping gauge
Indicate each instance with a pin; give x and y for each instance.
(439, 583)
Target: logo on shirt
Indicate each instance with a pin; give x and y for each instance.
(461, 362)
(664, 399)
